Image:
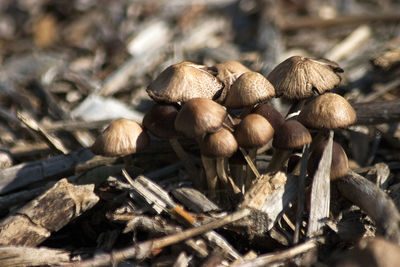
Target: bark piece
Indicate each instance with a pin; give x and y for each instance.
(53, 142)
(194, 200)
(27, 173)
(49, 212)
(320, 191)
(25, 256)
(264, 260)
(377, 112)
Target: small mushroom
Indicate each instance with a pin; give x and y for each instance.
(249, 89)
(252, 132)
(200, 116)
(339, 164)
(271, 114)
(289, 136)
(227, 73)
(121, 138)
(221, 145)
(159, 121)
(196, 118)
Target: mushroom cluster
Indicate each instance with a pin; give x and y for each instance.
(197, 101)
(202, 98)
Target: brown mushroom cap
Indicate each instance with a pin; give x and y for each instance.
(122, 137)
(221, 144)
(160, 119)
(227, 73)
(183, 81)
(249, 89)
(339, 165)
(327, 111)
(253, 131)
(297, 77)
(291, 135)
(272, 115)
(199, 116)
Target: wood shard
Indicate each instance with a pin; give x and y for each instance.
(23, 256)
(33, 223)
(268, 198)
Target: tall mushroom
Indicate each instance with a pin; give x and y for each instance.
(221, 145)
(196, 118)
(253, 132)
(159, 121)
(326, 113)
(289, 136)
(339, 163)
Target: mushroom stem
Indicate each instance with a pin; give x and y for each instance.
(187, 162)
(374, 201)
(250, 175)
(301, 192)
(278, 159)
(318, 138)
(209, 165)
(251, 165)
(238, 175)
(225, 178)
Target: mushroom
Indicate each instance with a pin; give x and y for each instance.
(182, 82)
(252, 132)
(360, 191)
(249, 89)
(327, 111)
(199, 116)
(196, 118)
(298, 78)
(289, 136)
(159, 121)
(121, 138)
(271, 114)
(227, 73)
(339, 163)
(221, 145)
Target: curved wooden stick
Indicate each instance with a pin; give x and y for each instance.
(373, 201)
